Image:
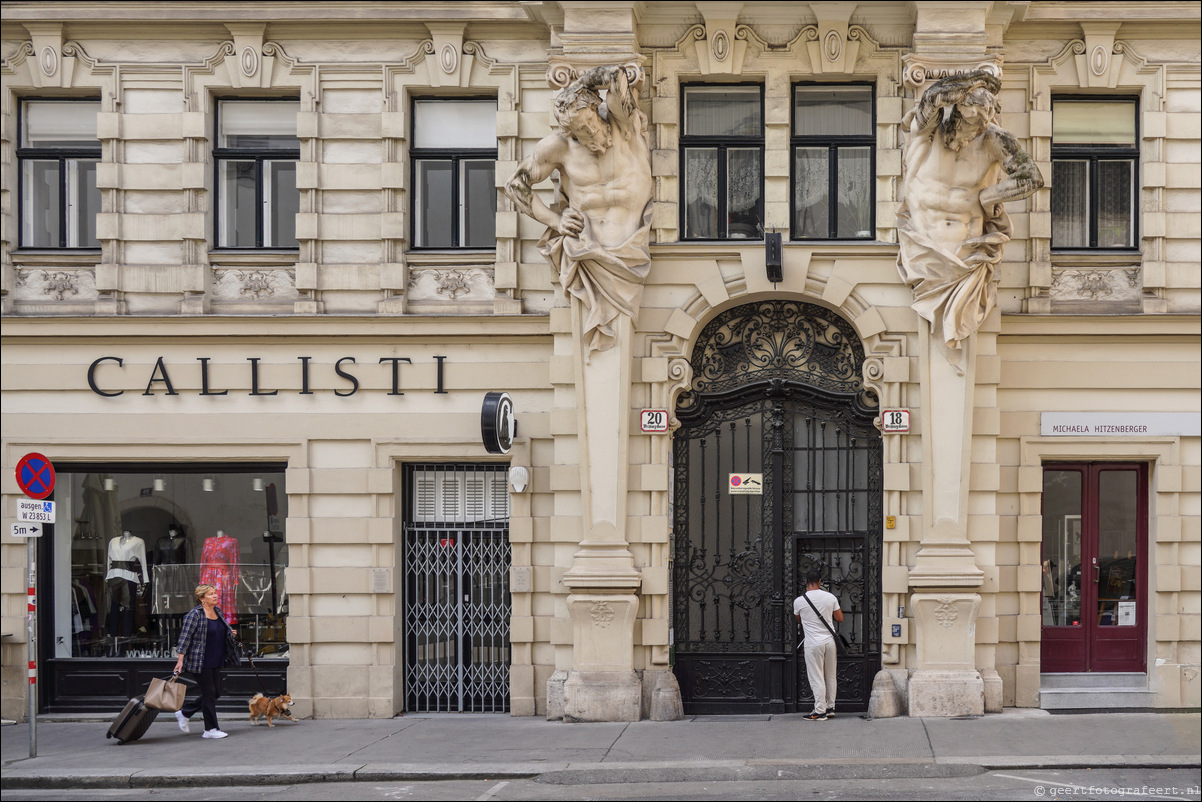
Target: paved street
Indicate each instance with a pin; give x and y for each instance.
(1018, 754)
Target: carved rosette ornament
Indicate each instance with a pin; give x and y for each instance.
(602, 614)
(946, 613)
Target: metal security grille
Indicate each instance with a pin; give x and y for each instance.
(456, 588)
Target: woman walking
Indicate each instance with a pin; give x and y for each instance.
(206, 644)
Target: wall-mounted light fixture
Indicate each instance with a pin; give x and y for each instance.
(772, 257)
(160, 485)
(110, 484)
(208, 485)
(257, 484)
(519, 478)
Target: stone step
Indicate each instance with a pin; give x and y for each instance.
(1096, 699)
(1095, 679)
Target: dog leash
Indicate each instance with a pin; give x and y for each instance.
(254, 668)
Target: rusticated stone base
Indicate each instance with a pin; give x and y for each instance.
(943, 694)
(602, 696)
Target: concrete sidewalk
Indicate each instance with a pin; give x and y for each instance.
(449, 746)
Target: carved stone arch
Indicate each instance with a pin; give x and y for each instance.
(878, 345)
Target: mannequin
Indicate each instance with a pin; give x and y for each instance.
(174, 582)
(172, 548)
(126, 570)
(219, 568)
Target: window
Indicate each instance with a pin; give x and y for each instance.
(58, 152)
(833, 147)
(256, 155)
(1094, 154)
(722, 150)
(454, 173)
(136, 540)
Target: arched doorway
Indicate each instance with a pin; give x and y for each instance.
(777, 400)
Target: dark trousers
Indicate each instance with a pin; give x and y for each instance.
(210, 691)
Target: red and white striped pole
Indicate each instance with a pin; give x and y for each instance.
(31, 619)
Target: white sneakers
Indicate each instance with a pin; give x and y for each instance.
(184, 728)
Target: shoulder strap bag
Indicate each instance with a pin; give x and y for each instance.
(841, 644)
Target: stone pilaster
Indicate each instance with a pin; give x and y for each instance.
(602, 685)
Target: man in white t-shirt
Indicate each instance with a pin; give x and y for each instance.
(819, 643)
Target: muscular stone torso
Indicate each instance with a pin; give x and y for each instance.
(610, 188)
(944, 190)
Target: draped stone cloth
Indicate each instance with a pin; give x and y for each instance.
(608, 282)
(955, 292)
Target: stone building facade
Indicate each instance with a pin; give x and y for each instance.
(264, 254)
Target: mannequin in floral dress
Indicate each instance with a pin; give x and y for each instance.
(219, 568)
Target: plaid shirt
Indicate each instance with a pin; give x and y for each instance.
(192, 640)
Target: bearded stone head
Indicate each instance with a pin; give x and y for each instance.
(579, 110)
(968, 119)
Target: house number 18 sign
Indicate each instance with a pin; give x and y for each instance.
(895, 421)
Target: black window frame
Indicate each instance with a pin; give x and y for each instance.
(456, 156)
(1092, 154)
(833, 142)
(60, 154)
(721, 144)
(258, 155)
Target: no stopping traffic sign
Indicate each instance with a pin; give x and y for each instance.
(35, 476)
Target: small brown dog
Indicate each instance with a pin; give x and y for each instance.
(261, 706)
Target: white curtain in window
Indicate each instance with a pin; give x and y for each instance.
(1093, 122)
(66, 123)
(712, 111)
(830, 110)
(448, 124)
(269, 121)
(1070, 204)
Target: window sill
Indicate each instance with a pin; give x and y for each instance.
(57, 257)
(1098, 258)
(451, 258)
(253, 258)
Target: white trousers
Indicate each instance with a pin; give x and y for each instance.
(820, 669)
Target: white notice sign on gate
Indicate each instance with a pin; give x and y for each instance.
(747, 484)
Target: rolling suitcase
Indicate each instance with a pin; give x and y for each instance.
(133, 721)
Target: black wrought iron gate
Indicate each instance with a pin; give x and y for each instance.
(457, 605)
(777, 392)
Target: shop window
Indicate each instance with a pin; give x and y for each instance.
(454, 173)
(1094, 157)
(129, 549)
(58, 152)
(256, 155)
(722, 161)
(833, 148)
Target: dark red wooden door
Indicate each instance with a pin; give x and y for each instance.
(1094, 560)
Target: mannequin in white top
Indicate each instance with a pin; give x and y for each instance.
(127, 569)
